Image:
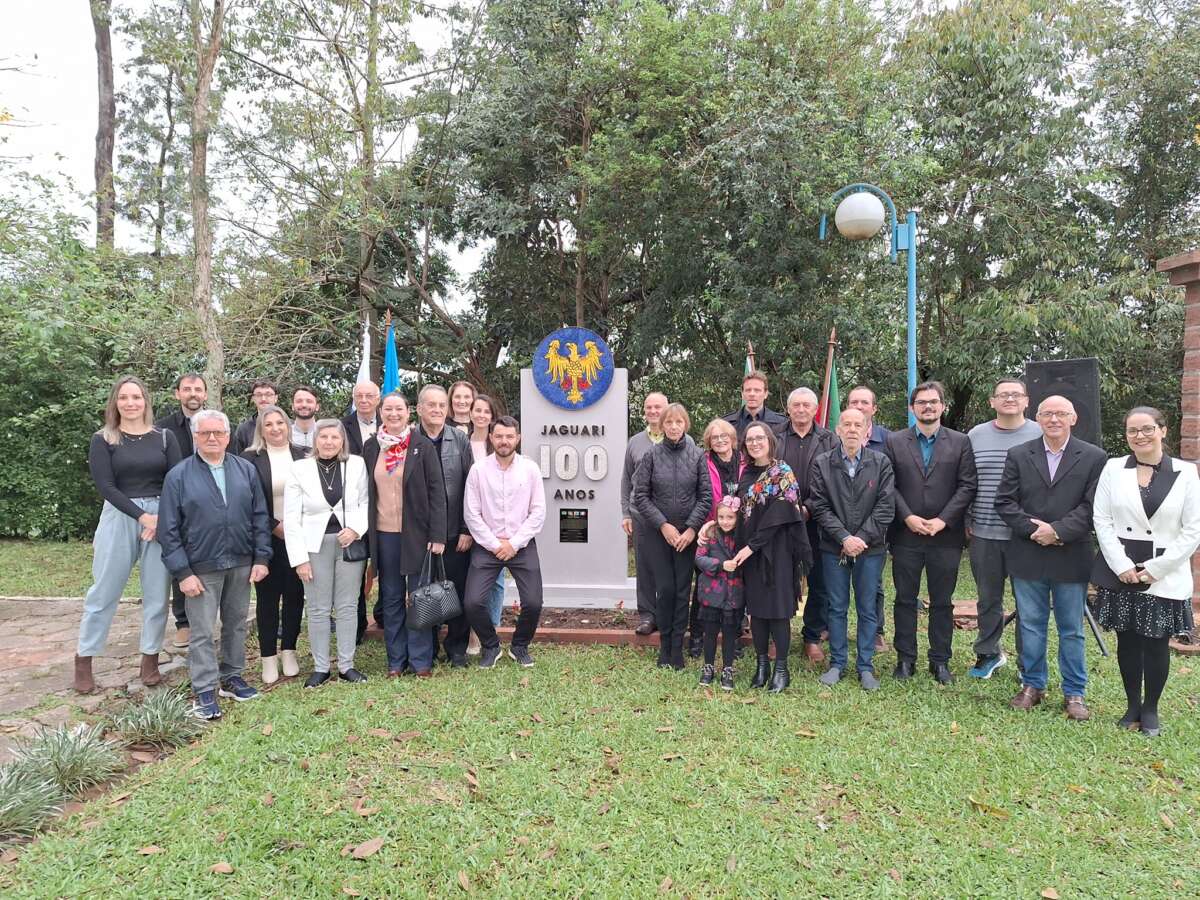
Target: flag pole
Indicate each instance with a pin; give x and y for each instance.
(750, 357)
(824, 407)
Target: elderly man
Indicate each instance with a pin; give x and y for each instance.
(754, 406)
(862, 398)
(454, 453)
(362, 423)
(216, 541)
(505, 508)
(801, 441)
(263, 393)
(1045, 497)
(852, 503)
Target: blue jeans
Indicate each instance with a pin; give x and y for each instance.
(865, 572)
(1033, 613)
(496, 600)
(405, 647)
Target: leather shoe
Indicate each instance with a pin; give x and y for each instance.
(1077, 710)
(646, 627)
(1027, 698)
(880, 644)
(780, 678)
(941, 673)
(762, 673)
(904, 670)
(815, 654)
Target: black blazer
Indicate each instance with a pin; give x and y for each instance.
(424, 516)
(944, 492)
(353, 437)
(262, 464)
(1026, 492)
(180, 426)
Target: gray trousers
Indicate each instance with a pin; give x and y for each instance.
(226, 595)
(334, 587)
(646, 591)
(989, 566)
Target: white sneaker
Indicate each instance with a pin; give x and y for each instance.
(270, 669)
(291, 666)
(473, 645)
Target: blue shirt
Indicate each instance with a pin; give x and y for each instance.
(926, 445)
(850, 464)
(878, 438)
(218, 474)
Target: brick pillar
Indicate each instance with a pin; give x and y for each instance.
(1184, 270)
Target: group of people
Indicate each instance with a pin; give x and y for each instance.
(768, 506)
(298, 507)
(768, 514)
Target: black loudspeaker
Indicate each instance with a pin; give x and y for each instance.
(1076, 379)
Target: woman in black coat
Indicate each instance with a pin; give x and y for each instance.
(672, 493)
(406, 515)
(273, 453)
(774, 554)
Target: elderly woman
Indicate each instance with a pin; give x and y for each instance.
(273, 454)
(673, 495)
(725, 466)
(128, 459)
(407, 517)
(325, 510)
(1147, 519)
(774, 551)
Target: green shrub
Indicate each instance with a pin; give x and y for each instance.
(74, 759)
(27, 799)
(164, 719)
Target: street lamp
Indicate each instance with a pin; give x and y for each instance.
(860, 215)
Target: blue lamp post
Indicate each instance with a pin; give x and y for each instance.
(859, 215)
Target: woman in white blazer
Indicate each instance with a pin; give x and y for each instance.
(324, 511)
(1147, 518)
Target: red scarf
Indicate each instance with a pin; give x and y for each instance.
(394, 448)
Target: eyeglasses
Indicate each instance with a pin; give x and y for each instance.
(1008, 395)
(719, 439)
(1144, 431)
(209, 435)
(758, 439)
(1054, 414)
(937, 402)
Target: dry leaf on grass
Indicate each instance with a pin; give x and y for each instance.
(367, 848)
(524, 733)
(548, 853)
(894, 874)
(665, 885)
(805, 733)
(150, 850)
(987, 808)
(954, 728)
(349, 891)
(524, 682)
(120, 798)
(670, 756)
(267, 729)
(537, 717)
(522, 839)
(664, 729)
(731, 864)
(305, 765)
(1166, 820)
(472, 779)
(9, 856)
(143, 756)
(406, 736)
(598, 848)
(1050, 894)
(604, 807)
(463, 881)
(268, 800)
(379, 733)
(352, 739)
(221, 868)
(363, 810)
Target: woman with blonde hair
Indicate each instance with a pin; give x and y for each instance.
(128, 459)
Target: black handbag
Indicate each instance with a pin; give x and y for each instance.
(433, 602)
(355, 551)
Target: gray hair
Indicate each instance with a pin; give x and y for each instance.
(321, 425)
(430, 387)
(209, 414)
(259, 442)
(803, 392)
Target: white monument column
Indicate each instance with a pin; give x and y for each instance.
(581, 452)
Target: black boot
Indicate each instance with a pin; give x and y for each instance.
(781, 677)
(763, 673)
(695, 645)
(677, 661)
(707, 673)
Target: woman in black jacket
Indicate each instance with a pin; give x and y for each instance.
(673, 494)
(273, 453)
(774, 554)
(406, 517)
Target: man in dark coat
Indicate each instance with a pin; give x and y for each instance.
(263, 393)
(935, 483)
(754, 408)
(1045, 497)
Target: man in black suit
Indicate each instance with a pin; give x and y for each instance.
(362, 421)
(263, 393)
(935, 483)
(1045, 497)
(754, 406)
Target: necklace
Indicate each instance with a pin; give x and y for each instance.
(1155, 466)
(331, 469)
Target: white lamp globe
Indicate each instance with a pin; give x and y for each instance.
(859, 216)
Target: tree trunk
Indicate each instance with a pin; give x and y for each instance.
(206, 48)
(106, 126)
(366, 236)
(160, 213)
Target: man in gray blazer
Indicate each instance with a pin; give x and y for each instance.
(1045, 497)
(935, 482)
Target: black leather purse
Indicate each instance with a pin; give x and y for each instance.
(355, 551)
(433, 602)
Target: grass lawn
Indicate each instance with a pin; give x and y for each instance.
(597, 774)
(50, 569)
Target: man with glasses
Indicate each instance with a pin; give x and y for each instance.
(990, 442)
(1045, 497)
(263, 393)
(216, 540)
(800, 442)
(935, 483)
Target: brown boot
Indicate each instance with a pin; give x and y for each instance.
(815, 654)
(150, 675)
(1077, 710)
(84, 682)
(1027, 698)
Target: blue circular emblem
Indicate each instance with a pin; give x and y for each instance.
(572, 367)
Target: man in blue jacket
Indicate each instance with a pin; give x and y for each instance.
(216, 541)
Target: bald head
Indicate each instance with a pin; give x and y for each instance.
(366, 399)
(1056, 415)
(852, 429)
(652, 409)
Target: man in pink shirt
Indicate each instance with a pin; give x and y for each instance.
(504, 508)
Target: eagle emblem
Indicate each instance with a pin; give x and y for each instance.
(572, 372)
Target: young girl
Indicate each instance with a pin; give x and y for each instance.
(721, 594)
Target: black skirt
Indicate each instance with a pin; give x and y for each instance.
(721, 616)
(1142, 613)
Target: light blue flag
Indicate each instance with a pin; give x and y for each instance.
(391, 365)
